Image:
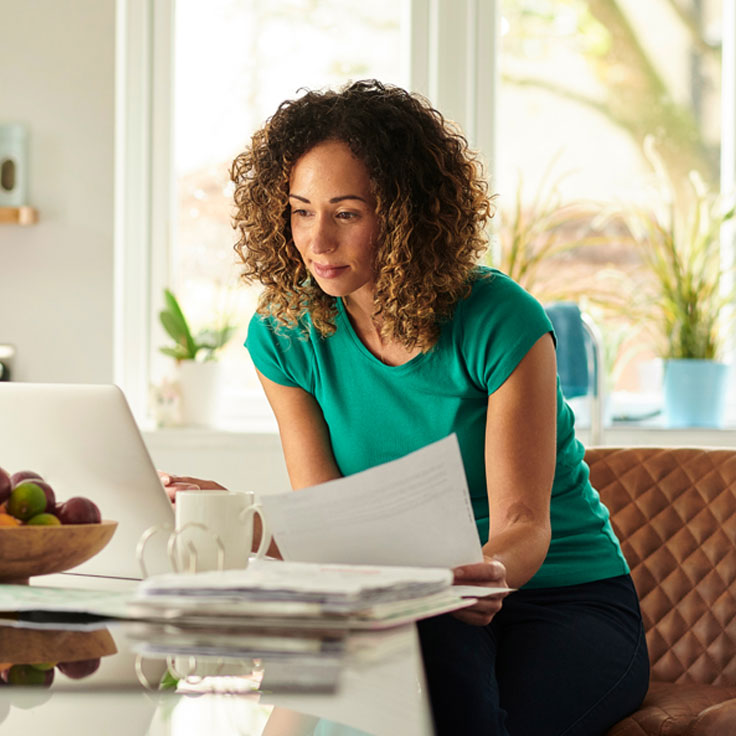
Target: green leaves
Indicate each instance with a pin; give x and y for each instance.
(175, 324)
(691, 286)
(169, 681)
(202, 346)
(544, 228)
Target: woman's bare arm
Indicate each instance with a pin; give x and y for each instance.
(521, 443)
(304, 436)
(520, 464)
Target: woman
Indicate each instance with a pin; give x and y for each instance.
(362, 213)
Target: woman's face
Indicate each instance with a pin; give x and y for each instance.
(333, 218)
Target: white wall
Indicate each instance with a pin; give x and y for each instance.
(56, 278)
(57, 75)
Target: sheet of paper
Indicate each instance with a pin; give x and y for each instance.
(413, 511)
(477, 591)
(72, 600)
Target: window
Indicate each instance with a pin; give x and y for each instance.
(235, 62)
(217, 70)
(592, 97)
(545, 90)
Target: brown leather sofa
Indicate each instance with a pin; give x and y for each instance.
(674, 510)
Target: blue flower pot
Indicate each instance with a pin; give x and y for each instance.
(694, 393)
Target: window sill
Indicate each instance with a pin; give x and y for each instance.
(249, 457)
(617, 434)
(246, 453)
(638, 419)
(246, 458)
(628, 434)
(227, 433)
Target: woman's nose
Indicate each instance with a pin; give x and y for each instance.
(323, 236)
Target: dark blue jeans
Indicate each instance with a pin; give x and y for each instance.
(570, 660)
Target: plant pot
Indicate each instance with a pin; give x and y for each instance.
(694, 393)
(200, 390)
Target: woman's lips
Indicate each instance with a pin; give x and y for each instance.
(327, 272)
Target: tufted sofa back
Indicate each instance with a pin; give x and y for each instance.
(674, 510)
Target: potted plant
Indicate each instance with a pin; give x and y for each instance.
(534, 235)
(688, 293)
(196, 357)
(534, 239)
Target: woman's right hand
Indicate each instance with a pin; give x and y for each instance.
(175, 483)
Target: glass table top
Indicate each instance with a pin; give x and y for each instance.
(164, 679)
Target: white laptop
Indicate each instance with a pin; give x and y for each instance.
(84, 441)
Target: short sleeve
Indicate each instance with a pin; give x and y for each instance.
(280, 354)
(500, 321)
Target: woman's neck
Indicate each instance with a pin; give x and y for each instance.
(360, 304)
(368, 330)
(359, 308)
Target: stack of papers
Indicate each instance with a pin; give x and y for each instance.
(316, 595)
(218, 659)
(31, 606)
(230, 643)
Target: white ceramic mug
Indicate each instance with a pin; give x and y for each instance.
(214, 530)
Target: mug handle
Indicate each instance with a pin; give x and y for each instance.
(265, 533)
(190, 549)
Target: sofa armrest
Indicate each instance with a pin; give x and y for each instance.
(718, 720)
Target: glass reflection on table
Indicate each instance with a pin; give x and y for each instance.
(163, 680)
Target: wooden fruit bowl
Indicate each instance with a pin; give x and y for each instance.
(33, 646)
(27, 551)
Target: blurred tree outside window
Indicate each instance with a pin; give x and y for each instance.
(586, 86)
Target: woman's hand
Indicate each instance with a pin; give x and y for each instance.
(175, 483)
(490, 573)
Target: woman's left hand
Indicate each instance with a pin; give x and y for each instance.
(489, 573)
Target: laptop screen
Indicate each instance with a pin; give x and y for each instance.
(84, 441)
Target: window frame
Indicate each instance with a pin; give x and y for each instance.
(143, 189)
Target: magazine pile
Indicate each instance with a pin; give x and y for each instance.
(276, 593)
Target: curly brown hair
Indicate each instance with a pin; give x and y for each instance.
(432, 205)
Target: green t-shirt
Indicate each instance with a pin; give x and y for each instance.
(376, 413)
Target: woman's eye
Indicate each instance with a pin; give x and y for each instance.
(298, 213)
(346, 215)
